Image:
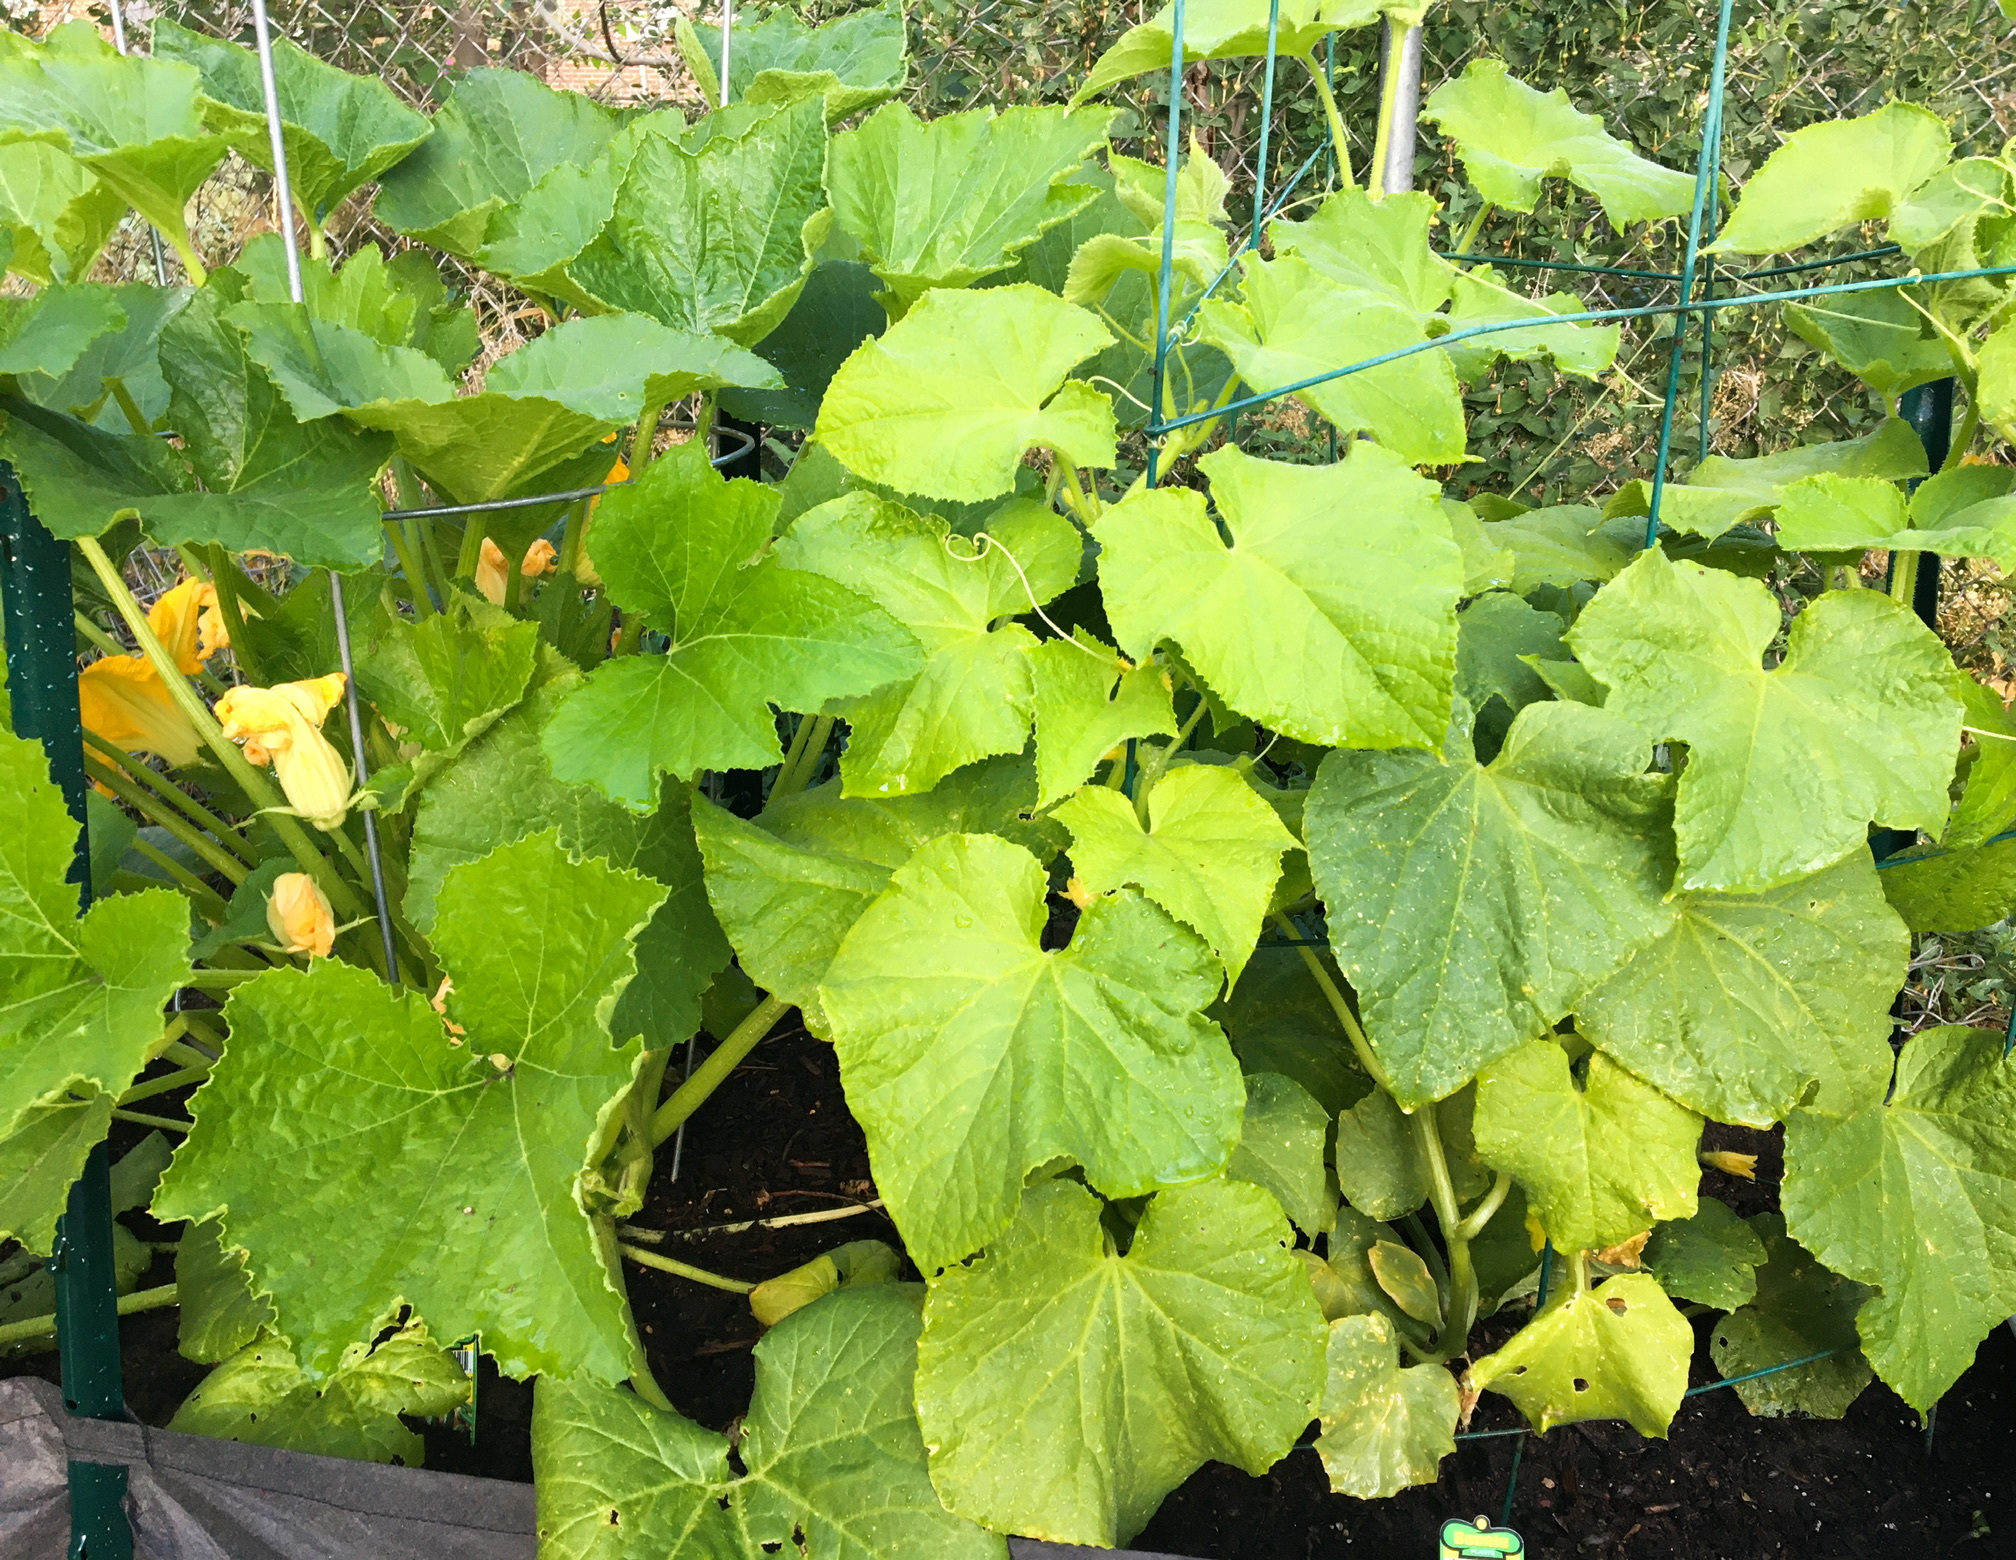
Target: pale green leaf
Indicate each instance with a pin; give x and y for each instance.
(973, 698)
(1847, 514)
(1988, 804)
(58, 212)
(340, 131)
(80, 1001)
(1723, 491)
(500, 133)
(1800, 1310)
(828, 1450)
(1787, 767)
(1749, 1000)
(1834, 174)
(1952, 890)
(853, 62)
(1879, 337)
(1586, 351)
(713, 236)
(1089, 701)
(1064, 1388)
(263, 1396)
(946, 202)
(464, 1172)
(1331, 617)
(686, 550)
(1564, 545)
(1618, 1351)
(1296, 324)
(1209, 853)
(48, 333)
(402, 302)
(216, 1312)
(1511, 136)
(1281, 1148)
(1380, 1168)
(946, 402)
(1470, 906)
(1602, 1156)
(1384, 1428)
(1223, 29)
(971, 1056)
(1711, 1257)
(1486, 565)
(1917, 1196)
(616, 365)
(1376, 246)
(1403, 1276)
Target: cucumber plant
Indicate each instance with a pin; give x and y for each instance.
(1269, 920)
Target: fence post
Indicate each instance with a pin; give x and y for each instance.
(1929, 411)
(42, 691)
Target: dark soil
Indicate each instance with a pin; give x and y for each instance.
(777, 1139)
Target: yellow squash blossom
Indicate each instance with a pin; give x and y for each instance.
(1730, 1163)
(300, 916)
(188, 624)
(584, 570)
(282, 726)
(124, 701)
(491, 578)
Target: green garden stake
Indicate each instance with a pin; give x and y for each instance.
(1477, 1539)
(1929, 411)
(42, 689)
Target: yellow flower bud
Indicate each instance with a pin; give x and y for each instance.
(538, 559)
(490, 576)
(187, 623)
(299, 916)
(584, 569)
(1744, 1165)
(282, 726)
(124, 701)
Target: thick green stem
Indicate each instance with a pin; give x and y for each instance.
(803, 763)
(1337, 136)
(651, 1259)
(97, 635)
(205, 897)
(710, 1074)
(643, 444)
(1158, 760)
(1484, 209)
(165, 1084)
(219, 859)
(45, 1326)
(411, 566)
(1903, 577)
(159, 1123)
(135, 418)
(1461, 1309)
(628, 635)
(255, 785)
(220, 980)
(1474, 1223)
(1345, 1017)
(174, 795)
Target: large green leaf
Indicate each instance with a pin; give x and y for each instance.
(972, 1056)
(1917, 1195)
(500, 133)
(1380, 1167)
(135, 122)
(853, 62)
(1847, 514)
(834, 314)
(1064, 1388)
(1495, 636)
(1618, 1351)
(1296, 323)
(262, 1395)
(1786, 767)
(789, 885)
(1799, 1310)
(48, 333)
(1470, 905)
(686, 550)
(1586, 351)
(1376, 246)
(57, 211)
(216, 1312)
(1331, 617)
(1722, 491)
(615, 366)
(1564, 544)
(713, 236)
(340, 131)
(1952, 890)
(1511, 136)
(1749, 1000)
(132, 355)
(1835, 174)
(1879, 337)
(1209, 852)
(1602, 1156)
(946, 402)
(80, 1001)
(1988, 804)
(1281, 1148)
(501, 790)
(944, 203)
(1223, 29)
(1384, 1428)
(973, 698)
(1089, 700)
(401, 301)
(1711, 1257)
(828, 1456)
(436, 1170)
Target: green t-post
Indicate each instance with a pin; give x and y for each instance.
(1929, 411)
(42, 693)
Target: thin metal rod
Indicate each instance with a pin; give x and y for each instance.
(727, 44)
(1404, 132)
(1820, 265)
(432, 511)
(1560, 265)
(118, 12)
(1583, 317)
(283, 194)
(1168, 265)
(1266, 126)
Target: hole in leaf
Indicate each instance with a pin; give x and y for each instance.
(1518, 1370)
(1581, 1385)
(615, 1517)
(1617, 1304)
